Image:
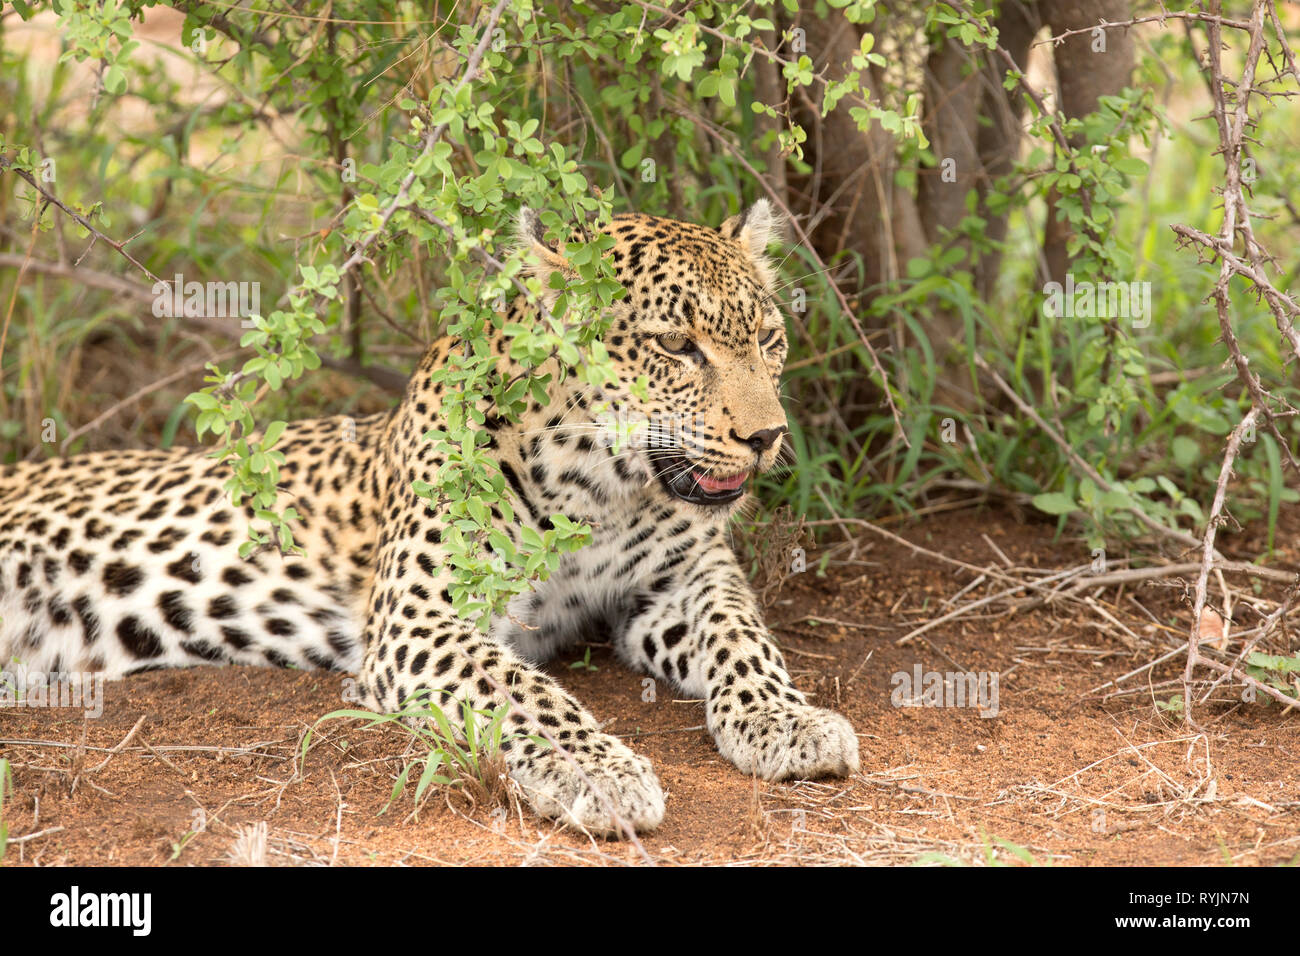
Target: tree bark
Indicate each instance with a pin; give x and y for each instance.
(847, 197)
(1083, 76)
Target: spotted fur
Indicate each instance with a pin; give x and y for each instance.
(122, 561)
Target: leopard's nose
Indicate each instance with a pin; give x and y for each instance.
(761, 440)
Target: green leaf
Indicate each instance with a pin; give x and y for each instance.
(1131, 166)
(1186, 451)
(273, 433)
(1055, 503)
(114, 79)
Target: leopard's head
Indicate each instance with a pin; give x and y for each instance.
(700, 321)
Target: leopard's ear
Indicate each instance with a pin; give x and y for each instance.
(532, 236)
(754, 229)
(545, 258)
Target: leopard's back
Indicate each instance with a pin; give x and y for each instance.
(113, 562)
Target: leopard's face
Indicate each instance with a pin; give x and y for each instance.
(700, 322)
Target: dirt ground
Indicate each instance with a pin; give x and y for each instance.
(1059, 776)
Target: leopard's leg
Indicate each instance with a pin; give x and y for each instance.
(415, 642)
(704, 633)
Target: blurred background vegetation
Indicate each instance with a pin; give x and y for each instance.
(936, 189)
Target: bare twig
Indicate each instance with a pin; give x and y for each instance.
(1233, 122)
(34, 836)
(121, 746)
(131, 399)
(1157, 18)
(81, 220)
(1182, 537)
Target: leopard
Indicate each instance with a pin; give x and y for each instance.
(120, 561)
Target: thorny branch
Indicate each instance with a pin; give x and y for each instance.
(81, 220)
(1232, 117)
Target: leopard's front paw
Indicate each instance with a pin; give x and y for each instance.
(788, 741)
(557, 790)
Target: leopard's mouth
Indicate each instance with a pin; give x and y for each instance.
(686, 481)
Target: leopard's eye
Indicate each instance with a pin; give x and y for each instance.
(766, 336)
(676, 344)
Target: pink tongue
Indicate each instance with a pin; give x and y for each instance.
(720, 484)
